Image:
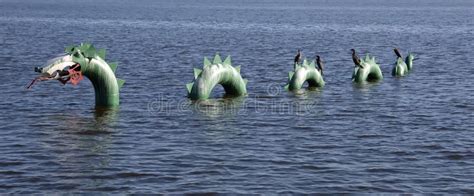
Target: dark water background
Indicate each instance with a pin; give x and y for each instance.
(411, 134)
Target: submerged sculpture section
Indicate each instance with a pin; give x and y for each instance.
(213, 73)
(402, 68)
(305, 72)
(369, 71)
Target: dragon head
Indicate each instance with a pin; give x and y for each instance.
(67, 68)
(57, 68)
(85, 60)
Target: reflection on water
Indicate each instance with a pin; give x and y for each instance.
(309, 92)
(77, 146)
(216, 108)
(105, 117)
(344, 137)
(99, 123)
(91, 139)
(365, 86)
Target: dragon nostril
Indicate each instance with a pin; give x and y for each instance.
(38, 69)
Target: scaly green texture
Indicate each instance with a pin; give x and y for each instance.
(304, 73)
(370, 72)
(214, 73)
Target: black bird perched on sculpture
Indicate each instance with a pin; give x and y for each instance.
(298, 57)
(356, 59)
(397, 52)
(320, 64)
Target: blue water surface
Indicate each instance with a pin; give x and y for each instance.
(412, 134)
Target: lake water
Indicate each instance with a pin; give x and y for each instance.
(412, 134)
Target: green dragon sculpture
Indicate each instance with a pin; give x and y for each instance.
(370, 71)
(305, 72)
(401, 67)
(86, 60)
(217, 72)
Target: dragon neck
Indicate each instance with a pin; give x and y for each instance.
(104, 81)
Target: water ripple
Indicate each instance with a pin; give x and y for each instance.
(410, 134)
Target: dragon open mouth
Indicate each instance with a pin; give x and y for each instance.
(71, 74)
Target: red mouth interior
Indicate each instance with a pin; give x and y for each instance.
(73, 74)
